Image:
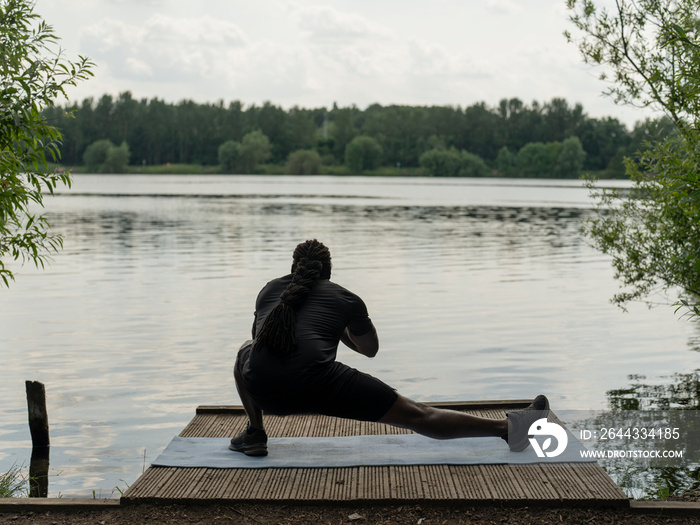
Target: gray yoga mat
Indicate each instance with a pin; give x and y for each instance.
(352, 451)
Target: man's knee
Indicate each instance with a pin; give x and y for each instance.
(241, 357)
(237, 376)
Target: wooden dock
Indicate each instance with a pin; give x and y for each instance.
(563, 484)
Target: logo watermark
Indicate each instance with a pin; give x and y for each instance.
(662, 438)
(546, 429)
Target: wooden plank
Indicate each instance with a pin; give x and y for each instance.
(535, 483)
(51, 504)
(667, 508)
(484, 483)
(220, 480)
(469, 484)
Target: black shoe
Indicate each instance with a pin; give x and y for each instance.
(252, 442)
(519, 422)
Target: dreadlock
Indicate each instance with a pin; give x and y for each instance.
(311, 263)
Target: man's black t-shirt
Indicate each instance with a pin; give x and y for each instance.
(321, 320)
(310, 380)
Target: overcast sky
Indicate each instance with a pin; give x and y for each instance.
(312, 53)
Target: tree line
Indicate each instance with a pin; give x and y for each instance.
(551, 139)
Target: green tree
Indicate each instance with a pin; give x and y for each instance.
(553, 151)
(602, 139)
(96, 155)
(363, 153)
(303, 162)
(33, 76)
(229, 154)
(650, 52)
(255, 149)
(561, 121)
(104, 157)
(653, 235)
(189, 132)
(569, 163)
(117, 159)
(272, 122)
(300, 131)
(533, 160)
(478, 131)
(471, 165)
(505, 162)
(342, 130)
(440, 162)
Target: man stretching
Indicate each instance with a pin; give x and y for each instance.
(290, 365)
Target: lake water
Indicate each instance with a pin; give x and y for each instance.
(480, 289)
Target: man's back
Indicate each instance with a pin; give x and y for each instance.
(321, 320)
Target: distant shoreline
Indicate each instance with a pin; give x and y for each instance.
(273, 169)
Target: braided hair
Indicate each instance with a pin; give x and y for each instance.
(311, 263)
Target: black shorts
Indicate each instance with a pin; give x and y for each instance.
(344, 392)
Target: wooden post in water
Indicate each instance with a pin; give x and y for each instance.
(39, 429)
(38, 417)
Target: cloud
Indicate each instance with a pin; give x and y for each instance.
(266, 71)
(163, 47)
(138, 2)
(138, 67)
(434, 60)
(506, 7)
(324, 24)
(342, 47)
(195, 58)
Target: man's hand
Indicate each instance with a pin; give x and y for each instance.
(365, 344)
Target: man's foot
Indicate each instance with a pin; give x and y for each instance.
(252, 442)
(519, 422)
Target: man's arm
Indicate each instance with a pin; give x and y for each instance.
(365, 344)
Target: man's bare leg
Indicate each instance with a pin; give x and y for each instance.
(440, 423)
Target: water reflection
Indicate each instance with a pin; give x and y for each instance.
(196, 224)
(681, 391)
(646, 419)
